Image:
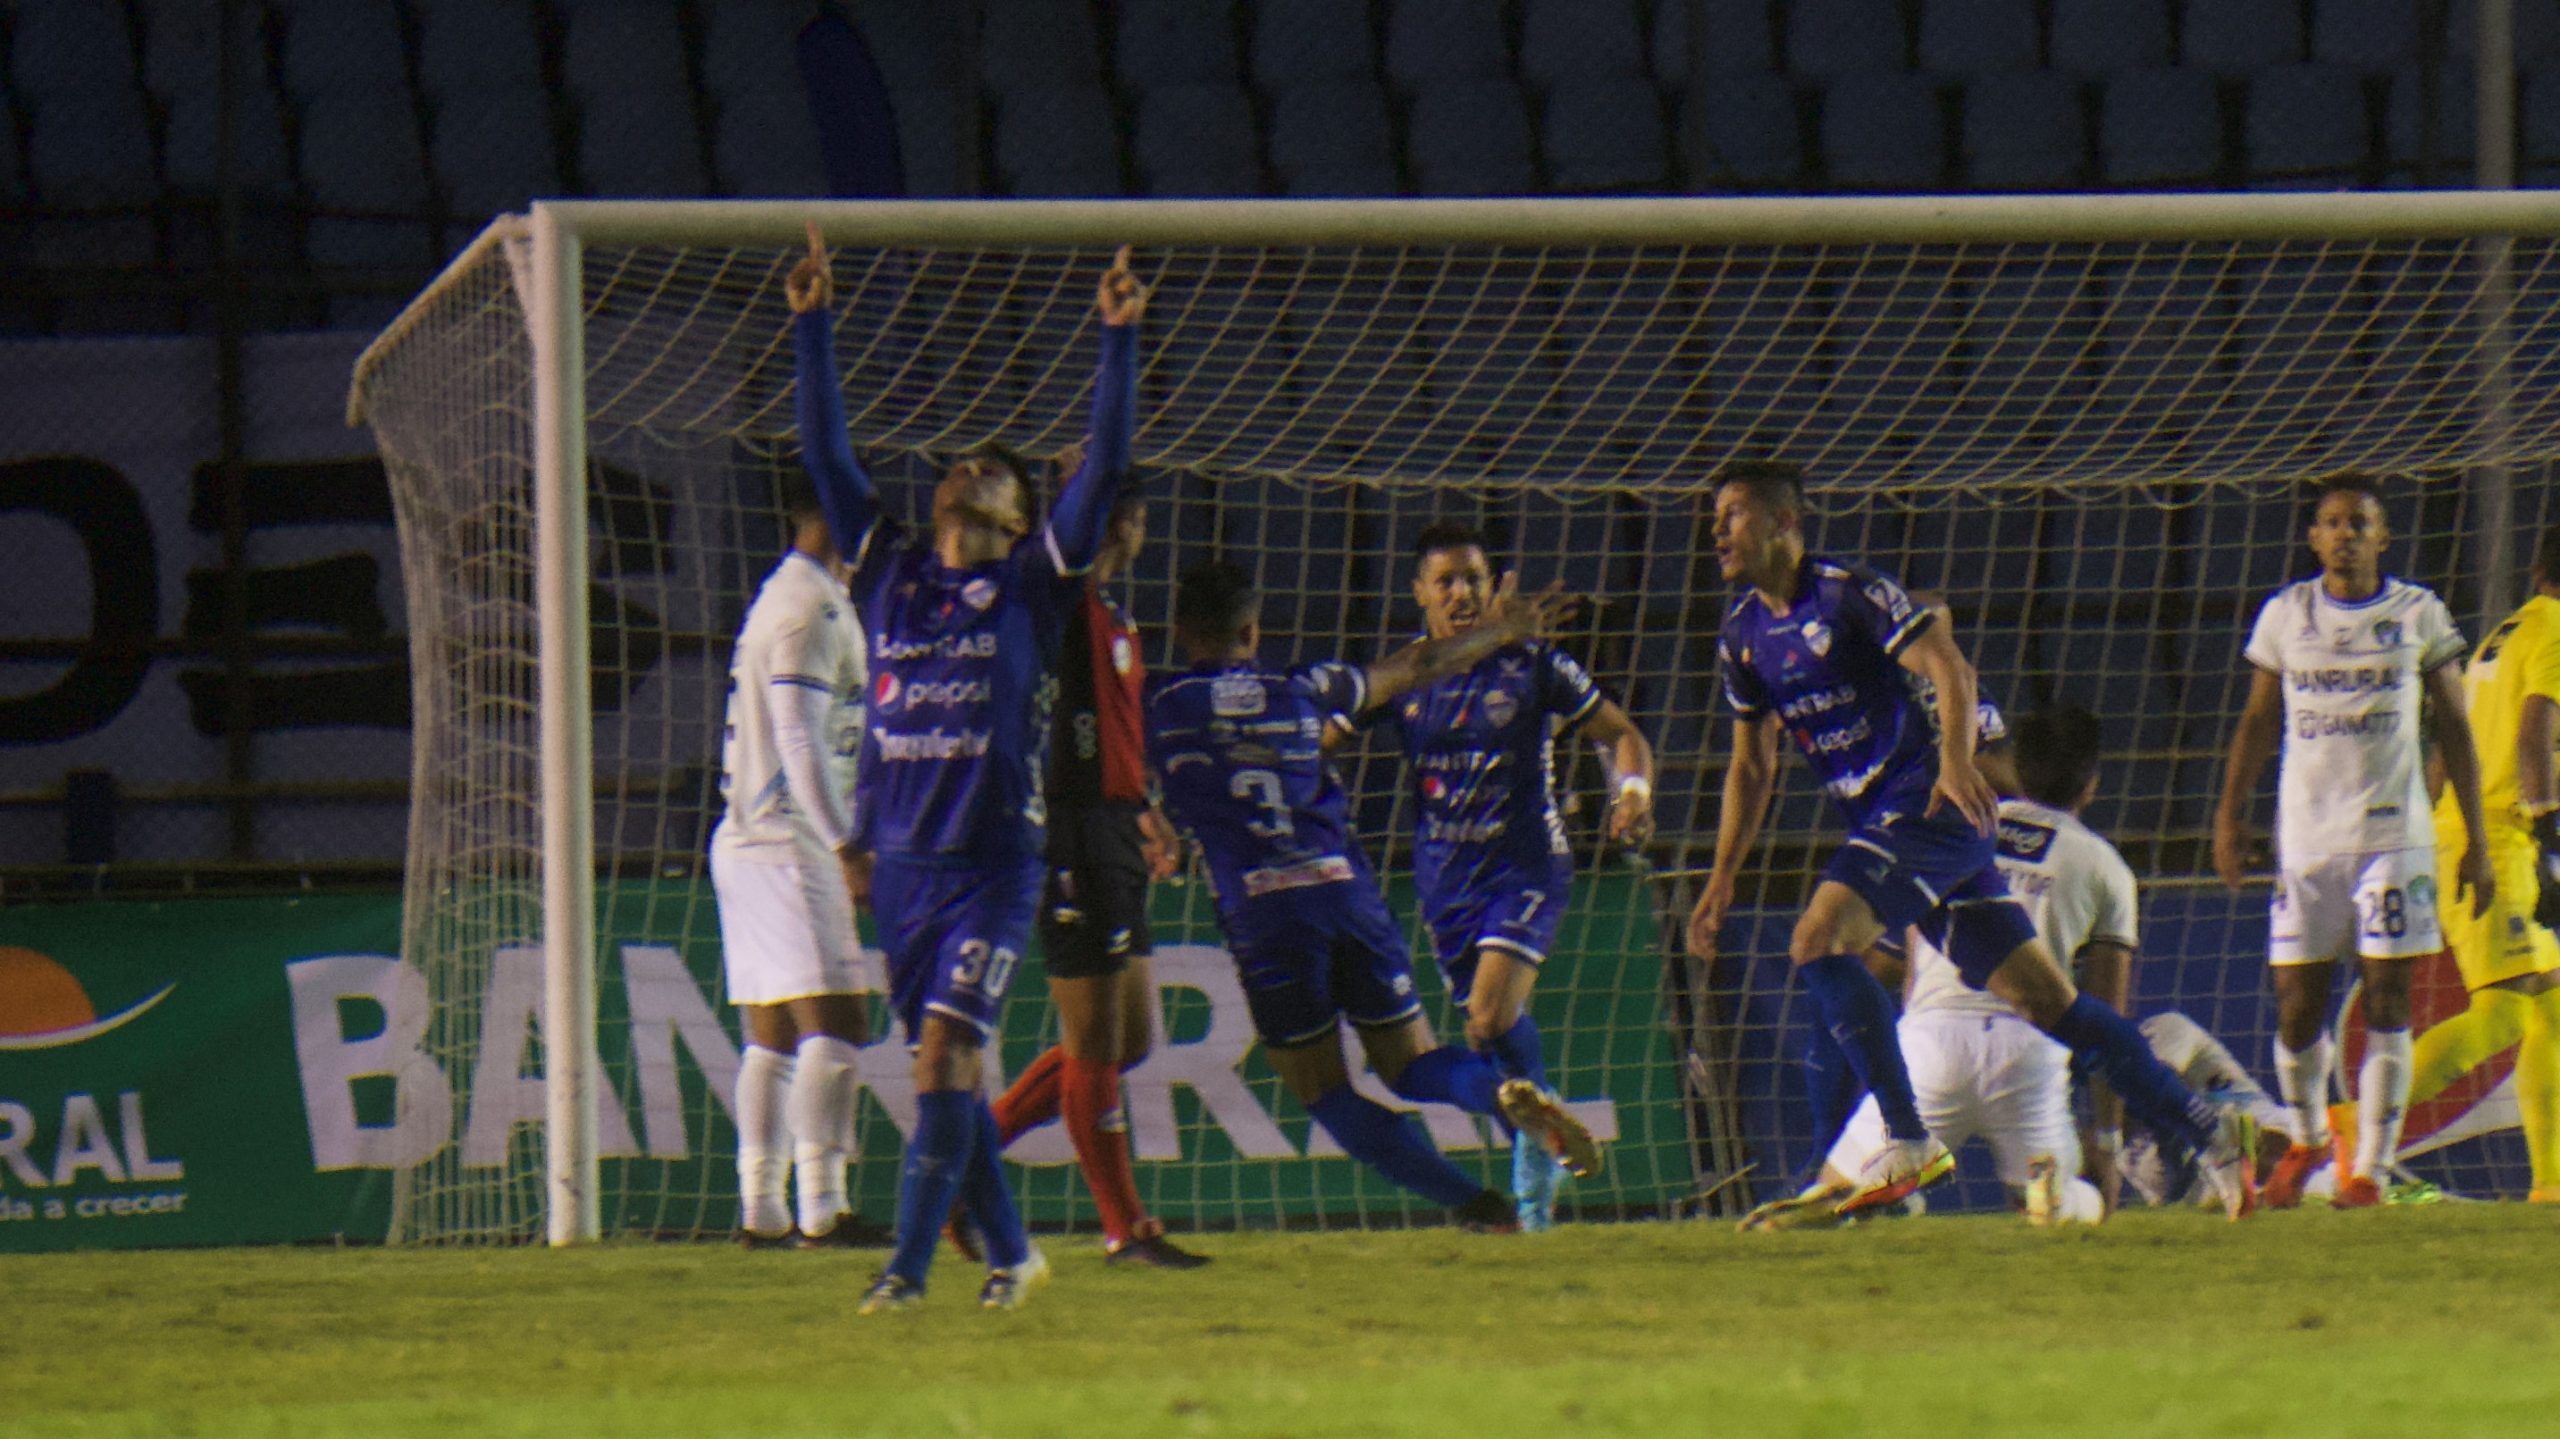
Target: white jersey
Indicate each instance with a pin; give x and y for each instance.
(801, 640)
(2351, 780)
(2074, 885)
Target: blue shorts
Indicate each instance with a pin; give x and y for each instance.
(1501, 910)
(1938, 873)
(954, 937)
(1310, 955)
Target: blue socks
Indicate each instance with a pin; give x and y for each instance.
(2152, 1092)
(989, 1198)
(1448, 1075)
(937, 1160)
(1519, 1055)
(1390, 1144)
(1830, 1087)
(1859, 1015)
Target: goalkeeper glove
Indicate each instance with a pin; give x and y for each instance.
(2546, 838)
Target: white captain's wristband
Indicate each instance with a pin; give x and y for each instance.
(1637, 785)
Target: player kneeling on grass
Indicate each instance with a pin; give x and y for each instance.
(784, 869)
(2341, 664)
(1239, 749)
(1869, 683)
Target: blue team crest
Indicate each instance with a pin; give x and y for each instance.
(979, 593)
(1817, 638)
(1500, 708)
(2386, 633)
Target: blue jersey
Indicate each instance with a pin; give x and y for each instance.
(1827, 668)
(1239, 750)
(964, 661)
(1481, 748)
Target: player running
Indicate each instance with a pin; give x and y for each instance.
(2341, 661)
(1239, 747)
(966, 633)
(1491, 865)
(1977, 1066)
(1106, 843)
(1869, 683)
(784, 868)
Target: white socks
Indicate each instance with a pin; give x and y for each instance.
(764, 1142)
(821, 1112)
(2382, 1101)
(2302, 1077)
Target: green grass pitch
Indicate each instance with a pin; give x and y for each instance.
(2443, 1320)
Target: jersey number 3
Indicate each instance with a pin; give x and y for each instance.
(1262, 787)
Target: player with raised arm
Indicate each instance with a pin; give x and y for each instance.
(1870, 685)
(1239, 748)
(966, 630)
(1977, 1067)
(784, 868)
(2343, 666)
(1491, 865)
(1107, 842)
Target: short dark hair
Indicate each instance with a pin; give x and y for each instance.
(800, 503)
(2345, 482)
(1448, 535)
(1214, 601)
(2546, 556)
(998, 453)
(2057, 753)
(1776, 484)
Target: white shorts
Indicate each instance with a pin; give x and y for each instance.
(786, 929)
(1996, 1078)
(2350, 906)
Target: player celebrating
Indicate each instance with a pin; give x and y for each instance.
(1491, 866)
(966, 632)
(1106, 841)
(1869, 683)
(2340, 663)
(1240, 749)
(783, 871)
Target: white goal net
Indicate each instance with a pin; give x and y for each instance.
(2085, 425)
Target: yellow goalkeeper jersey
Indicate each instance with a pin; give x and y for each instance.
(2520, 658)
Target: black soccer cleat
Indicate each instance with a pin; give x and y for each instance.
(851, 1231)
(1153, 1252)
(750, 1239)
(1490, 1212)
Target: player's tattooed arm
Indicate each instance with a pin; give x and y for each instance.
(1750, 777)
(2450, 718)
(2253, 743)
(1511, 619)
(845, 491)
(1932, 655)
(1630, 758)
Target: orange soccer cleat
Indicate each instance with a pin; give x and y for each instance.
(2357, 1191)
(2283, 1189)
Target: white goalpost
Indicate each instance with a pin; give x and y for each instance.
(2082, 419)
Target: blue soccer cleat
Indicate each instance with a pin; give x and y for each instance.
(1535, 1177)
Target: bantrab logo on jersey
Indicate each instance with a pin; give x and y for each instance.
(1237, 696)
(2024, 840)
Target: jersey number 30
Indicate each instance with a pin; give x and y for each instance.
(988, 971)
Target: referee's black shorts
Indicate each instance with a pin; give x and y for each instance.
(1093, 905)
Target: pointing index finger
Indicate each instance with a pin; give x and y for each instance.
(817, 243)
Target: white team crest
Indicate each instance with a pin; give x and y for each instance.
(1122, 656)
(1817, 638)
(1500, 708)
(979, 593)
(1236, 696)
(2386, 633)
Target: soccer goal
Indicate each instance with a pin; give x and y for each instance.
(2082, 420)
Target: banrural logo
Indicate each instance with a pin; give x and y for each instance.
(97, 1147)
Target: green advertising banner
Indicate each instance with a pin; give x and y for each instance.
(240, 1071)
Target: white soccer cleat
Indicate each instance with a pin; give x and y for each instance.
(1009, 1288)
(1541, 1115)
(1898, 1171)
(2231, 1165)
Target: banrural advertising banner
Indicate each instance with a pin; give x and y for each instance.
(256, 1070)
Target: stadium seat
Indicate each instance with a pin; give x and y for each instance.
(905, 41)
(1057, 140)
(765, 146)
(2422, 155)
(1471, 137)
(2369, 35)
(1734, 33)
(2025, 132)
(1337, 129)
(342, 48)
(181, 46)
(1433, 42)
(360, 151)
(2102, 37)
(747, 46)
(633, 46)
(477, 47)
(2305, 128)
(2538, 127)
(61, 48)
(1197, 139)
(2537, 32)
(1978, 37)
(1605, 133)
(188, 157)
(928, 139)
(1826, 38)
(494, 152)
(1746, 134)
(92, 150)
(13, 174)
(2160, 127)
(2233, 37)
(1579, 39)
(1166, 42)
(1297, 42)
(1343, 182)
(641, 143)
(1031, 44)
(1882, 132)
